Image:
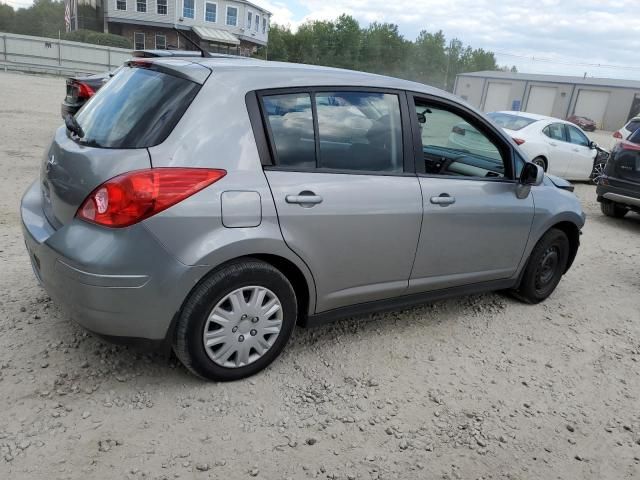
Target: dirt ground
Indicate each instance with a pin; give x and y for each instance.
(479, 387)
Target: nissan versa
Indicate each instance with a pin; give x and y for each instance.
(213, 204)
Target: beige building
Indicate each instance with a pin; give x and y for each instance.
(609, 102)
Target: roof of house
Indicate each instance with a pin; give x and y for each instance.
(534, 77)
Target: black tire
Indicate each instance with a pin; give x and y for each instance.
(612, 209)
(188, 341)
(547, 263)
(541, 162)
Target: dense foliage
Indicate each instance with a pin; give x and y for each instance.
(378, 48)
(45, 18)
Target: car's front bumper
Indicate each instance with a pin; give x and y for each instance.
(114, 282)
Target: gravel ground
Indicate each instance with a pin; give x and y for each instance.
(476, 387)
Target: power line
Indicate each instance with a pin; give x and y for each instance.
(534, 58)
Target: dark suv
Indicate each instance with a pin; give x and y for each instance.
(619, 187)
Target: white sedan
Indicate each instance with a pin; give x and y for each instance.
(560, 147)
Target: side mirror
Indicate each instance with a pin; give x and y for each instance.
(593, 145)
(531, 174)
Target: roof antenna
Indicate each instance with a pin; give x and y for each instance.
(204, 53)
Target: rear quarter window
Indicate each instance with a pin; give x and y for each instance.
(137, 108)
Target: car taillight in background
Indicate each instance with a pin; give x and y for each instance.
(84, 91)
(134, 196)
(617, 135)
(519, 141)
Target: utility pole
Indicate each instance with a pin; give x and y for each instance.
(446, 73)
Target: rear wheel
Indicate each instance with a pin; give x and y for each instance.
(545, 267)
(236, 322)
(541, 162)
(612, 209)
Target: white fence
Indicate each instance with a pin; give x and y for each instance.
(60, 57)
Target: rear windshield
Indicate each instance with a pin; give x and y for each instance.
(137, 108)
(635, 137)
(510, 121)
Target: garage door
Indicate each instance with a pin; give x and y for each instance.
(592, 104)
(497, 97)
(541, 100)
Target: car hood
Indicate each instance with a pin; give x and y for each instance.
(559, 182)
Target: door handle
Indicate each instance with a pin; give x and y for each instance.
(553, 144)
(443, 200)
(304, 198)
(576, 150)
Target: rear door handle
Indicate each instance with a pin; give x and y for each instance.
(443, 200)
(304, 198)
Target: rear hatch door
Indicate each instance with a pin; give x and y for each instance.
(135, 110)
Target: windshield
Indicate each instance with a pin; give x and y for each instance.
(510, 121)
(137, 108)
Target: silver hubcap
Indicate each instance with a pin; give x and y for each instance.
(242, 327)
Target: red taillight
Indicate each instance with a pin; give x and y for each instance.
(131, 197)
(519, 141)
(84, 90)
(617, 135)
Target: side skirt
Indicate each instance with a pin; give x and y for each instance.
(403, 302)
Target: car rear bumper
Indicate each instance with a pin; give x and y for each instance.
(114, 282)
(619, 195)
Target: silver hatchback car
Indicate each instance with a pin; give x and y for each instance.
(214, 204)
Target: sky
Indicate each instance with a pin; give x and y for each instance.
(569, 37)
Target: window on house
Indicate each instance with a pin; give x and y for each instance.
(256, 24)
(161, 7)
(188, 9)
(141, 6)
(161, 42)
(249, 17)
(232, 16)
(264, 25)
(138, 40)
(121, 4)
(210, 12)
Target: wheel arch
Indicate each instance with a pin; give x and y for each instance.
(572, 232)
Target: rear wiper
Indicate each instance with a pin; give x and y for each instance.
(73, 126)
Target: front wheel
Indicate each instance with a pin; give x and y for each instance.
(597, 172)
(546, 265)
(236, 322)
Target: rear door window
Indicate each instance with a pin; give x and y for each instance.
(137, 108)
(291, 127)
(339, 130)
(555, 131)
(359, 131)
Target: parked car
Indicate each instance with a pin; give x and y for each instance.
(584, 123)
(631, 126)
(81, 88)
(558, 146)
(619, 187)
(215, 204)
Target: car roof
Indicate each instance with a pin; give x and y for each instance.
(535, 116)
(179, 53)
(254, 74)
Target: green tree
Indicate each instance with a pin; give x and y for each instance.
(377, 48)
